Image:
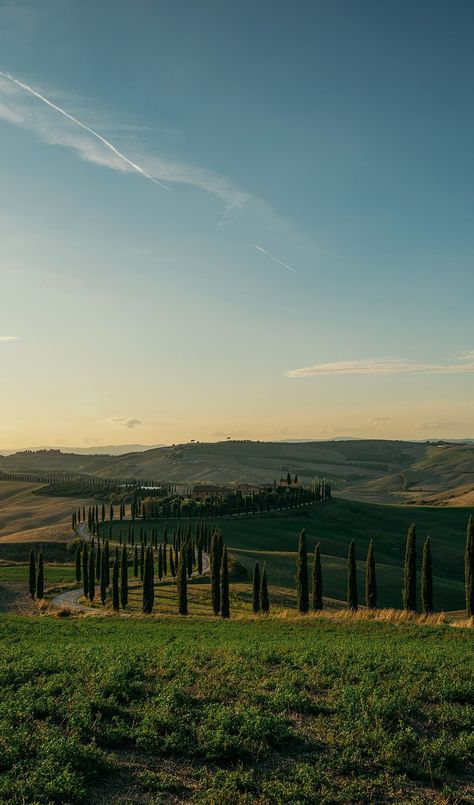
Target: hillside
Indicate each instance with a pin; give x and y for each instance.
(376, 470)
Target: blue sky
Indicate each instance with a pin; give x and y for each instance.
(337, 136)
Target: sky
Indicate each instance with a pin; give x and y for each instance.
(231, 218)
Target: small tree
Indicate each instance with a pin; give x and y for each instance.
(302, 575)
(256, 588)
(427, 578)
(124, 578)
(115, 586)
(317, 580)
(264, 599)
(40, 578)
(32, 574)
(409, 571)
(352, 600)
(182, 584)
(370, 580)
(469, 568)
(225, 605)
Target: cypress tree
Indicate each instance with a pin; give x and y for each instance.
(40, 578)
(98, 568)
(165, 556)
(115, 586)
(317, 580)
(85, 570)
(142, 560)
(103, 585)
(225, 604)
(106, 559)
(256, 588)
(215, 576)
(172, 567)
(91, 595)
(182, 585)
(199, 556)
(409, 571)
(264, 600)
(78, 564)
(135, 562)
(124, 578)
(190, 555)
(32, 575)
(370, 580)
(352, 600)
(148, 584)
(302, 574)
(469, 568)
(427, 579)
(160, 563)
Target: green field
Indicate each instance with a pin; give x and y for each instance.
(273, 538)
(96, 710)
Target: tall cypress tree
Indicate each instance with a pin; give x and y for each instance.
(370, 580)
(199, 556)
(409, 571)
(182, 584)
(40, 578)
(302, 575)
(160, 562)
(103, 585)
(32, 574)
(469, 568)
(142, 560)
(124, 578)
(215, 576)
(148, 593)
(172, 567)
(427, 578)
(135, 562)
(225, 604)
(115, 586)
(352, 598)
(256, 588)
(106, 559)
(98, 568)
(190, 557)
(91, 595)
(85, 570)
(264, 599)
(78, 564)
(317, 580)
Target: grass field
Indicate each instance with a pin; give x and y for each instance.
(273, 538)
(140, 710)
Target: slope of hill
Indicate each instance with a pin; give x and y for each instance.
(377, 470)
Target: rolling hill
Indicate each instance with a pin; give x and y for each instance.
(374, 470)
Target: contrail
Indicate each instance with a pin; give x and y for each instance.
(99, 137)
(272, 257)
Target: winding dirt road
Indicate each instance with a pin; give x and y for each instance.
(70, 598)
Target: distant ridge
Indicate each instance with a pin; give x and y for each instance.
(98, 450)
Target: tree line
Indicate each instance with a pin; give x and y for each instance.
(409, 588)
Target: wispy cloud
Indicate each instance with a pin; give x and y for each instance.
(22, 105)
(272, 257)
(83, 126)
(9, 337)
(123, 422)
(386, 366)
(439, 424)
(378, 420)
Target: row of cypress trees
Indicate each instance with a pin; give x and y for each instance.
(409, 589)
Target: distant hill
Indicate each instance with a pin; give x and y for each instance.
(99, 450)
(374, 470)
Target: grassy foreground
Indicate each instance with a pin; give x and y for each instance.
(99, 709)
